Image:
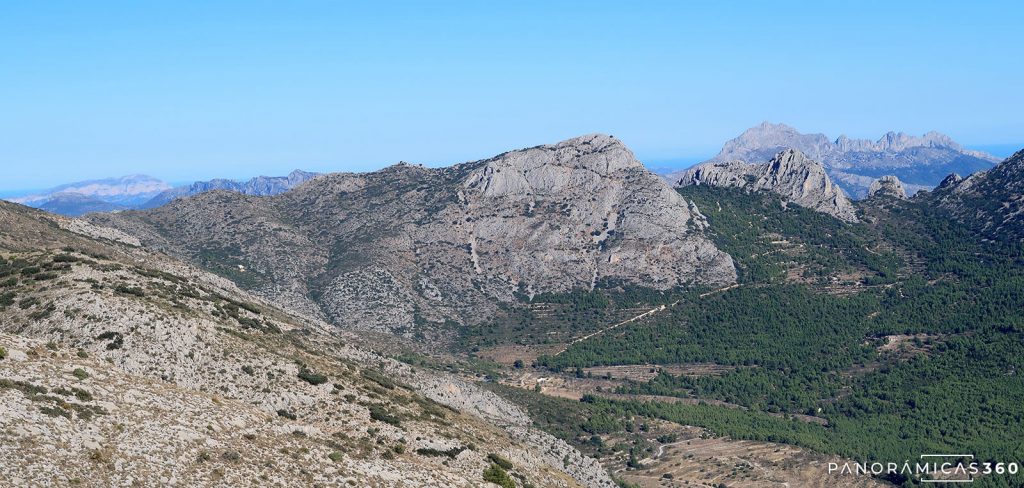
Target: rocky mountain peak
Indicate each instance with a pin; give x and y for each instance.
(771, 138)
(792, 160)
(887, 186)
(550, 169)
(408, 245)
(919, 161)
(949, 182)
(790, 174)
(900, 141)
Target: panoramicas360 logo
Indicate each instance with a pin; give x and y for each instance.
(930, 468)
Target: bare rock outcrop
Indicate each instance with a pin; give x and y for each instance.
(887, 186)
(789, 174)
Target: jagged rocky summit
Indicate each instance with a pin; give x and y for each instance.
(789, 174)
(260, 186)
(887, 186)
(920, 162)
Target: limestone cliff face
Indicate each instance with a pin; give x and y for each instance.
(789, 174)
(887, 186)
(408, 245)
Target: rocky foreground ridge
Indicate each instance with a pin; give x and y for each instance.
(407, 246)
(121, 366)
(789, 174)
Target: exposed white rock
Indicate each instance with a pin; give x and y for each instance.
(887, 186)
(789, 174)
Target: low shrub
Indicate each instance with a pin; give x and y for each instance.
(380, 414)
(500, 461)
(287, 414)
(312, 378)
(495, 474)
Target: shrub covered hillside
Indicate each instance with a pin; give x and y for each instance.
(118, 363)
(903, 332)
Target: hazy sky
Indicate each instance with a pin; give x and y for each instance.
(194, 90)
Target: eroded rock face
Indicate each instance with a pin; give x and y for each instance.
(887, 186)
(790, 174)
(408, 245)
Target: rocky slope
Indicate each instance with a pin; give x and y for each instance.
(408, 246)
(920, 162)
(119, 365)
(260, 185)
(991, 202)
(887, 186)
(789, 174)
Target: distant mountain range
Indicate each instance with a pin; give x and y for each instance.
(920, 162)
(124, 191)
(141, 192)
(258, 186)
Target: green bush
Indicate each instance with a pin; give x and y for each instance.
(500, 461)
(3, 353)
(287, 414)
(379, 379)
(80, 373)
(378, 413)
(450, 453)
(312, 378)
(118, 339)
(6, 299)
(498, 476)
(129, 290)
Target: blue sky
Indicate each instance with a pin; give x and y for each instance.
(195, 90)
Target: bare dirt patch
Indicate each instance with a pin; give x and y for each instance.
(697, 460)
(508, 355)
